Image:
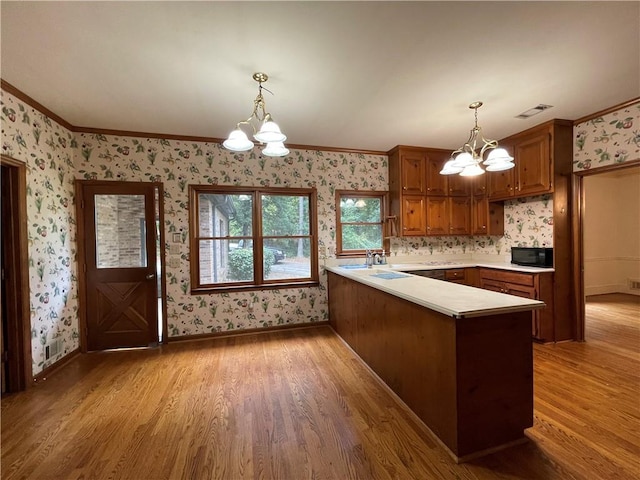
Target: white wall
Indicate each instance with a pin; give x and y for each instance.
(612, 232)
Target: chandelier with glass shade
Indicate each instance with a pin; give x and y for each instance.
(269, 133)
(468, 159)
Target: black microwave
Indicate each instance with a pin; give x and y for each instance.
(532, 256)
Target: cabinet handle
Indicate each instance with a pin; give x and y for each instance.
(484, 227)
(404, 188)
(428, 189)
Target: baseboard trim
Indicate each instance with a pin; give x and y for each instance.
(607, 289)
(54, 367)
(249, 331)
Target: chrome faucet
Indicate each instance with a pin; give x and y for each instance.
(369, 260)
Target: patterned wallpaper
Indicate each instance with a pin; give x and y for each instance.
(48, 151)
(607, 140)
(54, 156)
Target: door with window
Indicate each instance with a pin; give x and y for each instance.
(120, 264)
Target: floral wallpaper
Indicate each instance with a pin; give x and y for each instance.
(607, 140)
(55, 157)
(178, 164)
(48, 151)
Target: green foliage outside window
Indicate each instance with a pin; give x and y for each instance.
(361, 220)
(241, 264)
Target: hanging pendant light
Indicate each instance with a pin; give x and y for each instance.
(269, 132)
(468, 159)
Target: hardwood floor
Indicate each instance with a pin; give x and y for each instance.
(299, 405)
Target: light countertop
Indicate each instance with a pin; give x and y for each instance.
(452, 299)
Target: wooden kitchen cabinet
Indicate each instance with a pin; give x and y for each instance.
(533, 165)
(412, 170)
(459, 215)
(437, 209)
(487, 218)
(536, 156)
(414, 178)
(459, 186)
(436, 184)
(414, 222)
(536, 286)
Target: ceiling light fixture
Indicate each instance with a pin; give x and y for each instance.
(467, 159)
(269, 132)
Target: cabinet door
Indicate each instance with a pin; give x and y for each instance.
(501, 185)
(461, 186)
(436, 184)
(479, 184)
(533, 165)
(479, 215)
(413, 216)
(412, 168)
(459, 215)
(437, 216)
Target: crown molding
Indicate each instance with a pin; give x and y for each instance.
(7, 87)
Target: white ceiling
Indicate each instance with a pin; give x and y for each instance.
(363, 75)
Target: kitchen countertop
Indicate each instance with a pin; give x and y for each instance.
(452, 299)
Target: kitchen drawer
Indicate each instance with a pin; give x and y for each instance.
(527, 279)
(455, 275)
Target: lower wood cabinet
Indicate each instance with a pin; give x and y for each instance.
(536, 286)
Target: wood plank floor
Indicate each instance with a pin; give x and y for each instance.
(299, 405)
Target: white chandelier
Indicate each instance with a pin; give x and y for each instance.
(467, 159)
(268, 134)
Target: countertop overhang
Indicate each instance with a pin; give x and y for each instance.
(451, 299)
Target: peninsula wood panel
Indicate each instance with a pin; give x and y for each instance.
(469, 380)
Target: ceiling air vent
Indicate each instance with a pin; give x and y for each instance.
(534, 111)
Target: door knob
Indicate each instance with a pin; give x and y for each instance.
(150, 276)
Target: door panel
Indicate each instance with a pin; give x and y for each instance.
(120, 262)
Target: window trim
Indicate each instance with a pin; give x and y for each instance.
(256, 236)
(384, 199)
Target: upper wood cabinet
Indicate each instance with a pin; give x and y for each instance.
(414, 176)
(487, 218)
(460, 186)
(535, 153)
(533, 165)
(436, 184)
(459, 215)
(412, 172)
(414, 222)
(437, 215)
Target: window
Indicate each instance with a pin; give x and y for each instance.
(246, 238)
(360, 222)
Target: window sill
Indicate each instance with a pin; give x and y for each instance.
(246, 288)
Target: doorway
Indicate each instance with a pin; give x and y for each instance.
(121, 261)
(595, 249)
(15, 328)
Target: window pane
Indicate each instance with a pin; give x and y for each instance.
(120, 231)
(285, 215)
(360, 237)
(287, 258)
(360, 209)
(224, 262)
(224, 215)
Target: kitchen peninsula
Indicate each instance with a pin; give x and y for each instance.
(459, 357)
